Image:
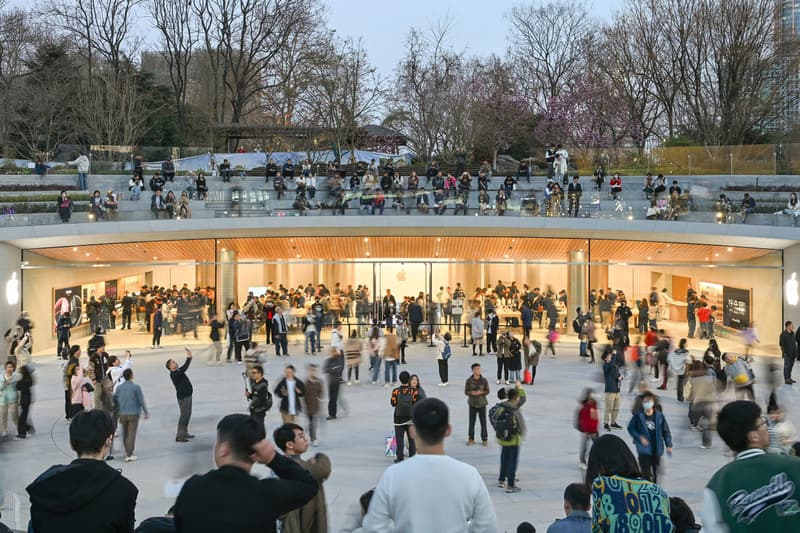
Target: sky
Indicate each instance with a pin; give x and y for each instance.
(478, 27)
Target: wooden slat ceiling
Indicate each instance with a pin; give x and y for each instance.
(344, 248)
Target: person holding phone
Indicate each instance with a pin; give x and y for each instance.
(184, 391)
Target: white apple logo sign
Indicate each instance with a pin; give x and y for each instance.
(12, 290)
(792, 296)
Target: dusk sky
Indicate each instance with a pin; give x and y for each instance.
(478, 27)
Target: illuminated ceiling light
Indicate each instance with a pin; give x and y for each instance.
(716, 255)
(74, 248)
(438, 239)
(224, 249)
(366, 239)
(649, 258)
(155, 257)
(730, 249)
(298, 256)
(87, 254)
(506, 256)
(367, 254)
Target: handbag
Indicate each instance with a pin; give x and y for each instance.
(88, 387)
(687, 389)
(527, 377)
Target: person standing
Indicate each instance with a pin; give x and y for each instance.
(309, 326)
(352, 353)
(403, 399)
(127, 308)
(588, 422)
(313, 516)
(756, 491)
(443, 353)
(158, 322)
(402, 336)
(788, 344)
(25, 391)
(477, 329)
(290, 390)
(83, 163)
(510, 429)
(217, 326)
(334, 368)
(532, 351)
(259, 395)
(64, 332)
(9, 397)
(184, 391)
(492, 323)
(129, 403)
(250, 504)
(612, 379)
(415, 317)
(431, 491)
(503, 358)
(313, 399)
(677, 364)
(477, 389)
(279, 332)
(99, 364)
(651, 435)
(391, 354)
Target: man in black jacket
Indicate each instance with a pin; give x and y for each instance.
(259, 396)
(789, 351)
(127, 307)
(87, 494)
(249, 504)
(415, 318)
(184, 390)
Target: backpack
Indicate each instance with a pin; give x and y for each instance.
(576, 326)
(404, 402)
(503, 421)
(447, 352)
(653, 298)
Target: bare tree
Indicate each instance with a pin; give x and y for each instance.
(101, 28)
(424, 106)
(547, 46)
(15, 46)
(176, 22)
(345, 94)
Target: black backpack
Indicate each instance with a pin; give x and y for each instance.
(405, 402)
(576, 326)
(503, 421)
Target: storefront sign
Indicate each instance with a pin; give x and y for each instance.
(735, 307)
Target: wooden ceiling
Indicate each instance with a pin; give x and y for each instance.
(412, 247)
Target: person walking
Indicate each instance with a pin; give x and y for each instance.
(443, 353)
(25, 391)
(334, 368)
(509, 425)
(415, 317)
(184, 391)
(532, 350)
(217, 327)
(677, 361)
(158, 322)
(374, 352)
(789, 351)
(612, 379)
(313, 399)
(259, 396)
(588, 422)
(279, 332)
(477, 389)
(403, 399)
(651, 436)
(352, 354)
(309, 326)
(477, 330)
(402, 336)
(290, 389)
(129, 403)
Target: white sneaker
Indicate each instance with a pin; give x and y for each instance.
(349, 383)
(440, 384)
(655, 379)
(357, 382)
(314, 443)
(498, 382)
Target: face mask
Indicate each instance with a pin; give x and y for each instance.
(647, 405)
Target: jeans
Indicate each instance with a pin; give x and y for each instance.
(390, 365)
(704, 333)
(82, 181)
(136, 193)
(508, 464)
(351, 370)
(692, 326)
(185, 409)
(399, 433)
(480, 414)
(129, 425)
(375, 361)
(280, 343)
(311, 337)
(513, 376)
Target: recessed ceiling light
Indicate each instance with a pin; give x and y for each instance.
(730, 249)
(506, 256)
(224, 249)
(87, 254)
(367, 254)
(438, 239)
(298, 256)
(74, 248)
(716, 255)
(155, 257)
(649, 258)
(366, 239)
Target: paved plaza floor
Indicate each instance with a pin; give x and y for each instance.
(355, 442)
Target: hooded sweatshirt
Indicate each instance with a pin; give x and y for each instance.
(85, 495)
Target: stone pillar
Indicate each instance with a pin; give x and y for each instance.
(226, 279)
(577, 283)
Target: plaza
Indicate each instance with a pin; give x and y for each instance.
(355, 441)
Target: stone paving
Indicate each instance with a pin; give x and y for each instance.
(355, 442)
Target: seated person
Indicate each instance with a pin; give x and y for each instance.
(439, 205)
(748, 206)
(616, 186)
(486, 168)
(355, 182)
(168, 169)
(500, 201)
(793, 207)
(724, 204)
(300, 203)
(508, 185)
(649, 187)
(225, 170)
(156, 182)
(279, 184)
(311, 186)
(184, 206)
(88, 494)
(652, 211)
(111, 200)
(483, 182)
(136, 185)
(171, 203)
(675, 188)
(97, 206)
(201, 187)
(484, 204)
(524, 170)
(366, 199)
(423, 202)
(660, 185)
(158, 205)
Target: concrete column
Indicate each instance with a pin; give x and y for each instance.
(227, 279)
(577, 283)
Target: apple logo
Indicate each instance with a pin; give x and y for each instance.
(12, 290)
(401, 275)
(792, 296)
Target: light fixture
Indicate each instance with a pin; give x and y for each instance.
(12, 290)
(74, 248)
(367, 254)
(298, 256)
(716, 255)
(438, 239)
(649, 258)
(506, 256)
(88, 254)
(730, 249)
(155, 258)
(366, 239)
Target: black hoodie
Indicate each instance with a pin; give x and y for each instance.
(85, 495)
